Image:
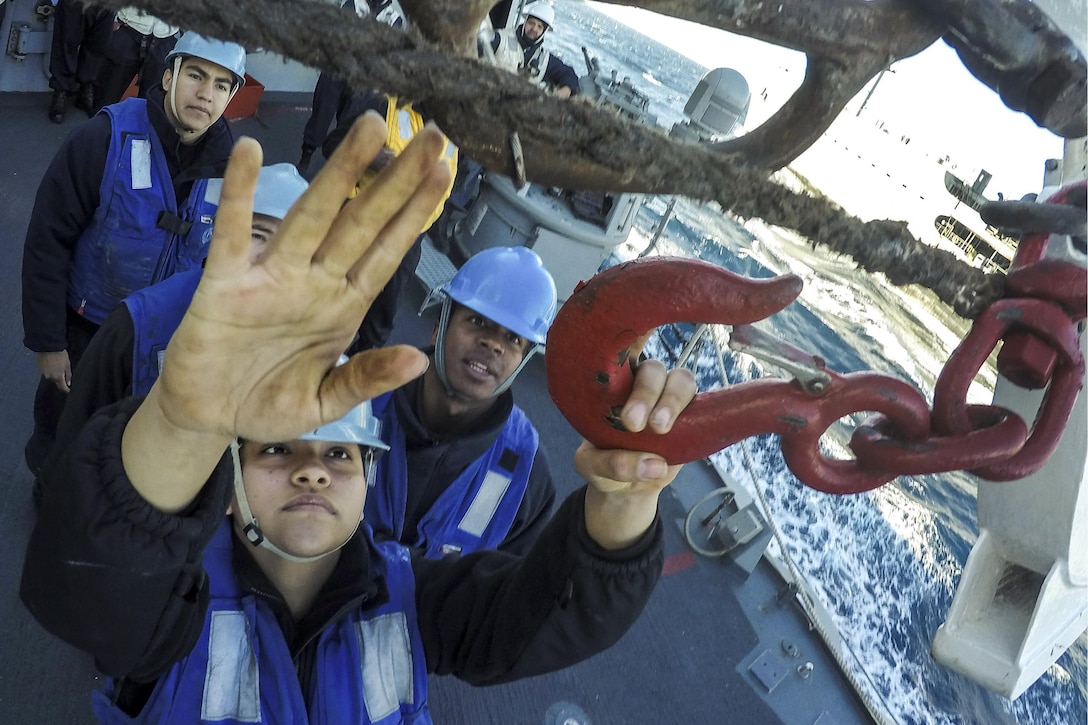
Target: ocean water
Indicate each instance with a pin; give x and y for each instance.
(885, 563)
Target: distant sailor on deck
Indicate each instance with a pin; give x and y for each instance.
(524, 50)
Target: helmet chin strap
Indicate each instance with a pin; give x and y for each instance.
(252, 529)
(440, 357)
(171, 96)
(440, 350)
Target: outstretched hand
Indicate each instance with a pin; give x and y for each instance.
(255, 355)
(621, 500)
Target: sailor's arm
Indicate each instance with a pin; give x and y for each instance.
(110, 574)
(561, 78)
(64, 206)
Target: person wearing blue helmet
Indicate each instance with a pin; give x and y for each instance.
(203, 543)
(466, 470)
(119, 208)
(126, 354)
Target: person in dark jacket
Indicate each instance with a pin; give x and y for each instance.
(332, 96)
(458, 444)
(304, 617)
(81, 38)
(466, 470)
(524, 50)
(138, 48)
(449, 438)
(119, 208)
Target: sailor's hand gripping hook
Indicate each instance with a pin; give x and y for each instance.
(589, 375)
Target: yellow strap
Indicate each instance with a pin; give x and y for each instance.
(403, 123)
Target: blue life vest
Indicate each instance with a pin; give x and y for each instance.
(475, 511)
(156, 312)
(370, 664)
(139, 235)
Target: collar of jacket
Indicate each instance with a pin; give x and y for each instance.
(350, 585)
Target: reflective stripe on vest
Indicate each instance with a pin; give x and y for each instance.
(485, 503)
(387, 664)
(232, 687)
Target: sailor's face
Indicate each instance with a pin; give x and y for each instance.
(533, 28)
(202, 92)
(308, 496)
(480, 354)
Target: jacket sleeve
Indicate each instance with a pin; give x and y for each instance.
(490, 617)
(559, 74)
(108, 573)
(103, 377)
(64, 206)
(535, 510)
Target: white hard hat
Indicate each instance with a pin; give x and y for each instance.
(542, 11)
(359, 426)
(229, 55)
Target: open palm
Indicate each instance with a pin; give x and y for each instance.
(254, 356)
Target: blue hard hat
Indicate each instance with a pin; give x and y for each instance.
(359, 426)
(229, 55)
(509, 286)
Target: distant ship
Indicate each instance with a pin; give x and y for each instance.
(988, 249)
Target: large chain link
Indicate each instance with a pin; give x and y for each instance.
(902, 439)
(1037, 334)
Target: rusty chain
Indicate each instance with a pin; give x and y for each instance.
(1035, 329)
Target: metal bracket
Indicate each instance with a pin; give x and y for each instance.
(809, 370)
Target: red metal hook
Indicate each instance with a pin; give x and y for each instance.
(589, 344)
